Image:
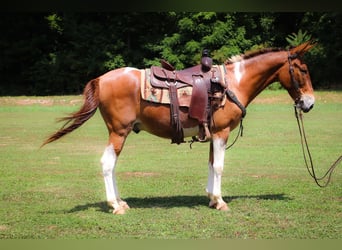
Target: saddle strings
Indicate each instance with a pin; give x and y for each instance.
(306, 150)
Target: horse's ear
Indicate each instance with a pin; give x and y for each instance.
(304, 47)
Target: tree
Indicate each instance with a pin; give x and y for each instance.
(325, 59)
(57, 53)
(217, 32)
(24, 38)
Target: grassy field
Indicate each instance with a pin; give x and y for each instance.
(57, 192)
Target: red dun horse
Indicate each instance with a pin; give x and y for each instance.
(117, 95)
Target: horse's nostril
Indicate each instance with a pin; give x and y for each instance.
(308, 109)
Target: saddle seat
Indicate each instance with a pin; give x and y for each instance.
(162, 78)
(204, 81)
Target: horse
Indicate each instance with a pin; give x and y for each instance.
(117, 95)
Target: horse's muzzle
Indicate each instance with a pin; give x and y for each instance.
(305, 103)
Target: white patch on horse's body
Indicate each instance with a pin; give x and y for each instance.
(239, 70)
(128, 69)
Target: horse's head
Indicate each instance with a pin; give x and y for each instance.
(295, 77)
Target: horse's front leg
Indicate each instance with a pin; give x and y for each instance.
(216, 163)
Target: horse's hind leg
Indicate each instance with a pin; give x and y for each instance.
(108, 161)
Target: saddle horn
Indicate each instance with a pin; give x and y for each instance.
(206, 60)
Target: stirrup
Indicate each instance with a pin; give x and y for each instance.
(206, 135)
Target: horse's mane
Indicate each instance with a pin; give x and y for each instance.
(250, 54)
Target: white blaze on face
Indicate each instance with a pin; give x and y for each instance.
(239, 70)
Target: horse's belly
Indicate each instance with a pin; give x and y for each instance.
(163, 131)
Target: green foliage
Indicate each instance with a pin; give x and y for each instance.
(54, 22)
(57, 53)
(275, 86)
(115, 61)
(217, 32)
(296, 39)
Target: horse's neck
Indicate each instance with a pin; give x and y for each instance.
(253, 75)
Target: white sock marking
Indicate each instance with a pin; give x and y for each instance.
(215, 170)
(108, 162)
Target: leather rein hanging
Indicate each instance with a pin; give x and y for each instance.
(233, 97)
(304, 143)
(305, 149)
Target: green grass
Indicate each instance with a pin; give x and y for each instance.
(57, 192)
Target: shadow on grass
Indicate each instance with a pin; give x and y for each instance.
(174, 201)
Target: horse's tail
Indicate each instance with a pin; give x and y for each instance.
(88, 109)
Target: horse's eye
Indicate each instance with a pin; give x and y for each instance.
(303, 70)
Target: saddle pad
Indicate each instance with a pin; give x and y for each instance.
(158, 95)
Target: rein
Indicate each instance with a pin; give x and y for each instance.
(304, 143)
(237, 135)
(291, 70)
(233, 97)
(230, 94)
(306, 150)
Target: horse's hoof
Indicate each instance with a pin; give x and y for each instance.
(119, 210)
(219, 206)
(124, 205)
(222, 207)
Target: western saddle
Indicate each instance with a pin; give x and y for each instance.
(206, 81)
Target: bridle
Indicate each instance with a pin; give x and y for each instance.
(291, 70)
(304, 143)
(294, 81)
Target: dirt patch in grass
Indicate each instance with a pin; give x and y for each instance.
(329, 97)
(281, 97)
(41, 101)
(31, 101)
(268, 176)
(138, 174)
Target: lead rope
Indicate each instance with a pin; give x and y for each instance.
(310, 168)
(237, 136)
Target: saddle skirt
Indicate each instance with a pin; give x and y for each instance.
(161, 95)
